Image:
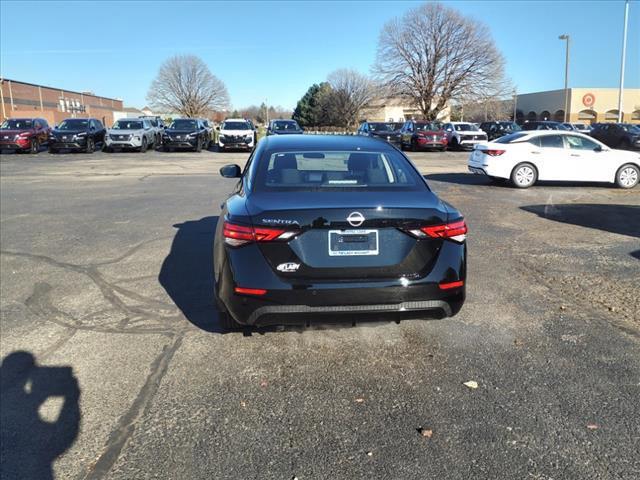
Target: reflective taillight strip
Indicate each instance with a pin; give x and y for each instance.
(450, 285)
(456, 231)
(237, 235)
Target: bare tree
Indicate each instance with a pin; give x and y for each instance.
(350, 93)
(185, 85)
(433, 54)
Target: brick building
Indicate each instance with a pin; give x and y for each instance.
(21, 99)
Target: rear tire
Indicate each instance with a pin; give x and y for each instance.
(524, 175)
(627, 176)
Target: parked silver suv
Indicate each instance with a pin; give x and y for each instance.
(130, 133)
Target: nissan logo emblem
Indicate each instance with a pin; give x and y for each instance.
(355, 219)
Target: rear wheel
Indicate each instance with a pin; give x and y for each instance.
(627, 176)
(90, 146)
(524, 175)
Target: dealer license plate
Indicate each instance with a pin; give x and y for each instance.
(353, 242)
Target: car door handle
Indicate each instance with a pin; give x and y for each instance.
(575, 155)
(536, 153)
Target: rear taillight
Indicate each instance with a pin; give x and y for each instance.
(493, 153)
(456, 231)
(237, 235)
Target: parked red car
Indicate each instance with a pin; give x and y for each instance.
(24, 134)
(422, 135)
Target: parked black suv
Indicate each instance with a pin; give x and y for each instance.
(499, 129)
(543, 125)
(185, 133)
(85, 134)
(617, 135)
(388, 131)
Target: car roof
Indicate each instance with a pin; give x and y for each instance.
(551, 132)
(235, 120)
(320, 142)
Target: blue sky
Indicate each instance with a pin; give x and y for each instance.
(276, 50)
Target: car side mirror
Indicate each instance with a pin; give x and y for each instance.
(449, 129)
(597, 149)
(231, 171)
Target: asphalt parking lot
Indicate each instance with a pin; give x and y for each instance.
(106, 285)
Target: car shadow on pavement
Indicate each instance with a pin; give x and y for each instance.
(610, 218)
(635, 254)
(187, 272)
(30, 443)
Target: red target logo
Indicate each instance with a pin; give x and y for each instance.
(589, 99)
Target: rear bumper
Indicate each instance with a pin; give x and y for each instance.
(287, 299)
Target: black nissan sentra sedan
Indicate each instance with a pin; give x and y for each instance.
(334, 225)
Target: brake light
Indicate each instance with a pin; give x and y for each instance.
(456, 231)
(493, 153)
(249, 291)
(237, 235)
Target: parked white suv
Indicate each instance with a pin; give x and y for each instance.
(461, 135)
(130, 133)
(236, 133)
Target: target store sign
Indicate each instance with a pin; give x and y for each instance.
(589, 99)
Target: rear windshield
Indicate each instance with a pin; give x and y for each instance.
(16, 124)
(184, 124)
(127, 125)
(320, 170)
(74, 124)
(512, 137)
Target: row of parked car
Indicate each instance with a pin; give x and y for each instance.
(142, 133)
(425, 135)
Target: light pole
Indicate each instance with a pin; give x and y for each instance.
(566, 76)
(515, 104)
(624, 54)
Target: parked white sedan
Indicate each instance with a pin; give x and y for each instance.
(556, 155)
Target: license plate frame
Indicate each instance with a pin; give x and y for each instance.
(354, 253)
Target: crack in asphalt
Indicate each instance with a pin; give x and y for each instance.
(149, 309)
(127, 424)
